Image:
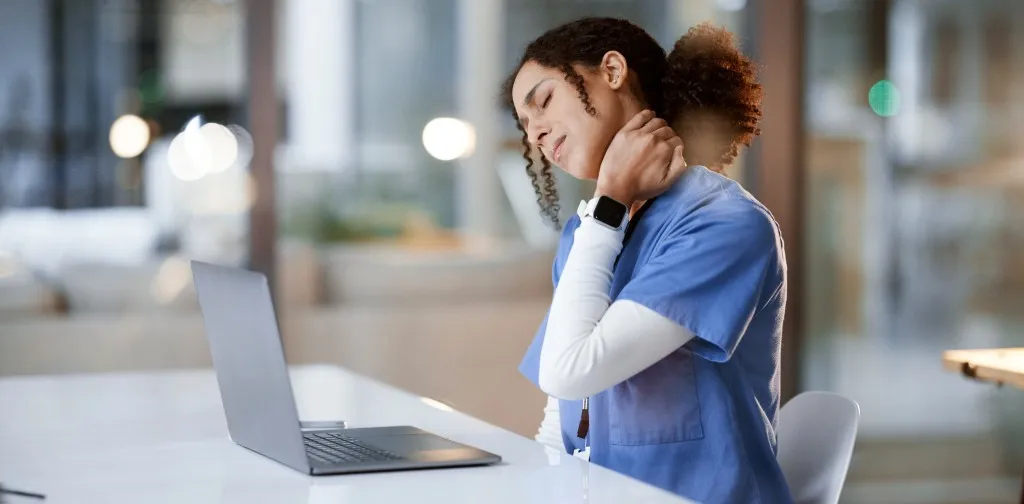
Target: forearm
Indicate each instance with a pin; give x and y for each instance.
(579, 302)
(591, 344)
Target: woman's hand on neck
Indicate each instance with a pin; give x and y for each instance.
(631, 106)
(643, 160)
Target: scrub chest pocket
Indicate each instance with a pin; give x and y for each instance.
(657, 405)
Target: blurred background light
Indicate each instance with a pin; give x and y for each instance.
(243, 141)
(181, 163)
(204, 149)
(884, 98)
(129, 136)
(447, 138)
(221, 147)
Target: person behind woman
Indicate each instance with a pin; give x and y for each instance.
(660, 351)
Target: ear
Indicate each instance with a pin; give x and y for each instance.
(614, 69)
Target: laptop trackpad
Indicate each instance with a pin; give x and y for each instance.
(408, 444)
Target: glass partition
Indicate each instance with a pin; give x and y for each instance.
(914, 114)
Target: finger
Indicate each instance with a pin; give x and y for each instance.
(677, 166)
(654, 124)
(639, 120)
(675, 141)
(665, 133)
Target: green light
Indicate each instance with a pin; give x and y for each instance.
(150, 88)
(884, 98)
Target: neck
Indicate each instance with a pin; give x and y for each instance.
(632, 106)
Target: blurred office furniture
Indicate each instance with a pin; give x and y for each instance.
(996, 365)
(441, 320)
(385, 275)
(160, 436)
(816, 434)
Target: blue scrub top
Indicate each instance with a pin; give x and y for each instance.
(701, 422)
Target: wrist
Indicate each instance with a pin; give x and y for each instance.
(614, 192)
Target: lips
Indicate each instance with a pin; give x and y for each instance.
(556, 150)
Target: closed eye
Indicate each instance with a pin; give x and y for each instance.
(546, 101)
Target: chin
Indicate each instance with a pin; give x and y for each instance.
(580, 174)
(577, 171)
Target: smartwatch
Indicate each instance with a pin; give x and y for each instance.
(608, 212)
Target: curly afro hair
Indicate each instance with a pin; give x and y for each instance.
(705, 88)
(712, 96)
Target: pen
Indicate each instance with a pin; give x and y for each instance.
(584, 426)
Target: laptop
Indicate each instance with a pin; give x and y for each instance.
(245, 346)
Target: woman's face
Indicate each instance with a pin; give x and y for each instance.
(556, 120)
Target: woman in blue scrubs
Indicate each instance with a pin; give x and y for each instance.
(660, 352)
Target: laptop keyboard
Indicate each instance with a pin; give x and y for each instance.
(336, 448)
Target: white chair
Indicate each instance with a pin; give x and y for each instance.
(816, 434)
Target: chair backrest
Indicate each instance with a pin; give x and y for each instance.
(816, 434)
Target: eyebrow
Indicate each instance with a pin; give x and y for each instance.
(533, 92)
(528, 99)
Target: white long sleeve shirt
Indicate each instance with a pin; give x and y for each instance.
(591, 344)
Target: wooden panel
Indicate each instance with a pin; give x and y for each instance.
(261, 46)
(775, 164)
(997, 365)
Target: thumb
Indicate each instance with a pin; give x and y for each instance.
(677, 165)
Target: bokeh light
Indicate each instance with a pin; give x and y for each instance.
(447, 138)
(205, 149)
(129, 136)
(181, 163)
(244, 141)
(221, 147)
(884, 98)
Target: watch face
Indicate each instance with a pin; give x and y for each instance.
(609, 211)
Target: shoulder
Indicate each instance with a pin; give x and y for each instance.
(712, 205)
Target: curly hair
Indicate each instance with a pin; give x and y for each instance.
(705, 78)
(712, 96)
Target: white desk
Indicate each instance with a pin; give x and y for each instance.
(161, 437)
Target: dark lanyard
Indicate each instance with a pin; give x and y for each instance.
(584, 427)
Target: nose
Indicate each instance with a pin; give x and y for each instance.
(536, 131)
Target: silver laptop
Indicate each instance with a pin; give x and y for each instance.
(247, 354)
